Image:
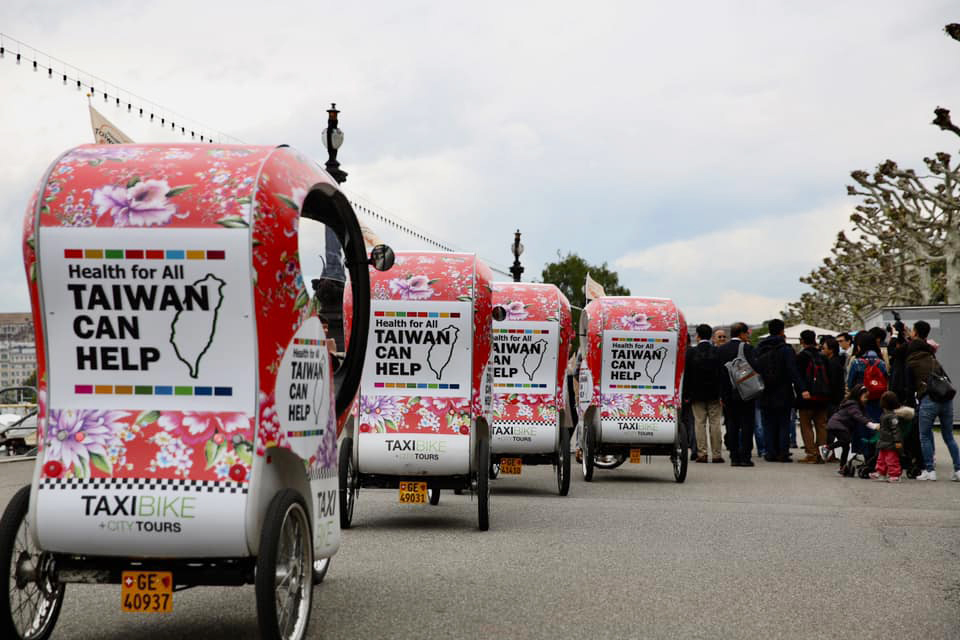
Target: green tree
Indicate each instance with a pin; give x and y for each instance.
(569, 273)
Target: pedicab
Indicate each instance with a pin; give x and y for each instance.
(531, 423)
(421, 422)
(188, 410)
(630, 383)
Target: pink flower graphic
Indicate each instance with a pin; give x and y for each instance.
(74, 435)
(196, 427)
(144, 204)
(516, 310)
(636, 322)
(380, 412)
(412, 288)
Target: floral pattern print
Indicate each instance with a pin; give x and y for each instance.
(633, 314)
(516, 310)
(412, 287)
(256, 190)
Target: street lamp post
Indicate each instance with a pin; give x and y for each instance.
(333, 278)
(332, 139)
(517, 249)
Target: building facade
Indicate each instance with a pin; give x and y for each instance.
(18, 350)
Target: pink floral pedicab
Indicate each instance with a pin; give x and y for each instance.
(630, 383)
(188, 411)
(423, 415)
(531, 424)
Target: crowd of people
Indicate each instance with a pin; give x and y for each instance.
(876, 394)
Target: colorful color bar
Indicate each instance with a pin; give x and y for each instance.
(414, 385)
(150, 390)
(305, 434)
(638, 386)
(141, 254)
(519, 385)
(416, 314)
(641, 339)
(537, 332)
(306, 341)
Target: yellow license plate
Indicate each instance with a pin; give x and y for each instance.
(146, 591)
(511, 466)
(413, 493)
(636, 456)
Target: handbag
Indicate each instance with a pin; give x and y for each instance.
(939, 386)
(744, 379)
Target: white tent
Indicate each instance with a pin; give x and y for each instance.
(793, 333)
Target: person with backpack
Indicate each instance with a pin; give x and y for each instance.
(701, 384)
(847, 420)
(782, 384)
(869, 369)
(922, 365)
(812, 411)
(739, 415)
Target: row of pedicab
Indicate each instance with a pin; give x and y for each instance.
(195, 429)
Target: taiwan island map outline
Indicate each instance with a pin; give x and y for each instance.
(193, 365)
(438, 371)
(534, 353)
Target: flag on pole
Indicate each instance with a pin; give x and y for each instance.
(104, 131)
(593, 289)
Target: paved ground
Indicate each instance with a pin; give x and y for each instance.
(778, 551)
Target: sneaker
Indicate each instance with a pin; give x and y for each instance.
(894, 479)
(825, 452)
(955, 476)
(928, 475)
(878, 477)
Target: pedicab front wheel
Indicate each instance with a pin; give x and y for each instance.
(589, 446)
(483, 484)
(563, 464)
(284, 578)
(30, 600)
(320, 568)
(434, 496)
(347, 477)
(680, 457)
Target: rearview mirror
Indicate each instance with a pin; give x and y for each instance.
(499, 313)
(382, 257)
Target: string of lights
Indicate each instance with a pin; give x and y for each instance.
(70, 75)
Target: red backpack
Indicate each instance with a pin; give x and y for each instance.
(874, 379)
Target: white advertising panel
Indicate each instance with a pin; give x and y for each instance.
(638, 362)
(419, 348)
(523, 437)
(412, 454)
(148, 321)
(326, 521)
(524, 357)
(636, 430)
(133, 516)
(303, 389)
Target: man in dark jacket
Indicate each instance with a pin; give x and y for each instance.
(739, 415)
(813, 411)
(701, 384)
(782, 384)
(830, 348)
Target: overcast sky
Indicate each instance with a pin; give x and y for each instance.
(701, 149)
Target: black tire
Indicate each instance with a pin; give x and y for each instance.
(494, 470)
(680, 458)
(563, 463)
(320, 568)
(287, 509)
(434, 495)
(589, 448)
(483, 484)
(16, 551)
(609, 462)
(345, 473)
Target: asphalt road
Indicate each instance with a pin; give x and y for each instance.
(777, 551)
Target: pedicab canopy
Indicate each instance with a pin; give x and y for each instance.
(634, 361)
(426, 367)
(176, 341)
(529, 358)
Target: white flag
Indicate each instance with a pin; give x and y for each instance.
(104, 131)
(370, 238)
(593, 289)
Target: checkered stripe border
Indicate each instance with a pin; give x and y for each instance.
(524, 423)
(322, 473)
(143, 484)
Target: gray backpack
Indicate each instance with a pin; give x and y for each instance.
(744, 379)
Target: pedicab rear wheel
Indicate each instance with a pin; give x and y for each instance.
(680, 458)
(284, 578)
(347, 477)
(611, 461)
(483, 484)
(30, 600)
(434, 495)
(589, 447)
(563, 463)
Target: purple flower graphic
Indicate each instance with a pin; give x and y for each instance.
(412, 288)
(144, 204)
(380, 412)
(636, 322)
(615, 403)
(73, 436)
(516, 311)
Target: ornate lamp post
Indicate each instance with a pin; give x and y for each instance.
(330, 285)
(517, 249)
(332, 139)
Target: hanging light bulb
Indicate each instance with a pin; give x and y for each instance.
(18, 57)
(34, 65)
(2, 49)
